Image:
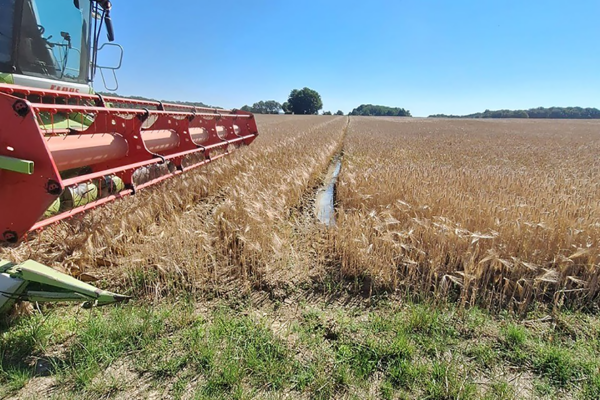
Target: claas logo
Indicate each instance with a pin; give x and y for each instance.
(64, 88)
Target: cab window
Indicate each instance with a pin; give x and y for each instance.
(52, 40)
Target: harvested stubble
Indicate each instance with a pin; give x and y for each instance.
(498, 213)
(226, 226)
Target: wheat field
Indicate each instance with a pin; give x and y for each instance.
(497, 213)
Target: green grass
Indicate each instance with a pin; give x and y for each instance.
(500, 390)
(514, 335)
(447, 381)
(591, 389)
(558, 364)
(236, 350)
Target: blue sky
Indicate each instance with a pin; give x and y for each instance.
(452, 57)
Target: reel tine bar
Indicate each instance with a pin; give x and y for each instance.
(63, 153)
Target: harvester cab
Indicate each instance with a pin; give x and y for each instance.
(65, 150)
(53, 44)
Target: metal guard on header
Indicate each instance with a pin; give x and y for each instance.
(46, 132)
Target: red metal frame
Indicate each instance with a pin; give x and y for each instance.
(124, 135)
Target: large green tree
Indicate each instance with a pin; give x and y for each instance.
(304, 101)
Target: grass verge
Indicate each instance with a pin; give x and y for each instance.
(314, 349)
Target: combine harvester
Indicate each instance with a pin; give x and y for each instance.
(65, 150)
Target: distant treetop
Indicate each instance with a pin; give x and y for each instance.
(370, 109)
(540, 112)
(303, 101)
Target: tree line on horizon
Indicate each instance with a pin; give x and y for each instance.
(380, 111)
(264, 107)
(539, 112)
(300, 101)
(308, 101)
